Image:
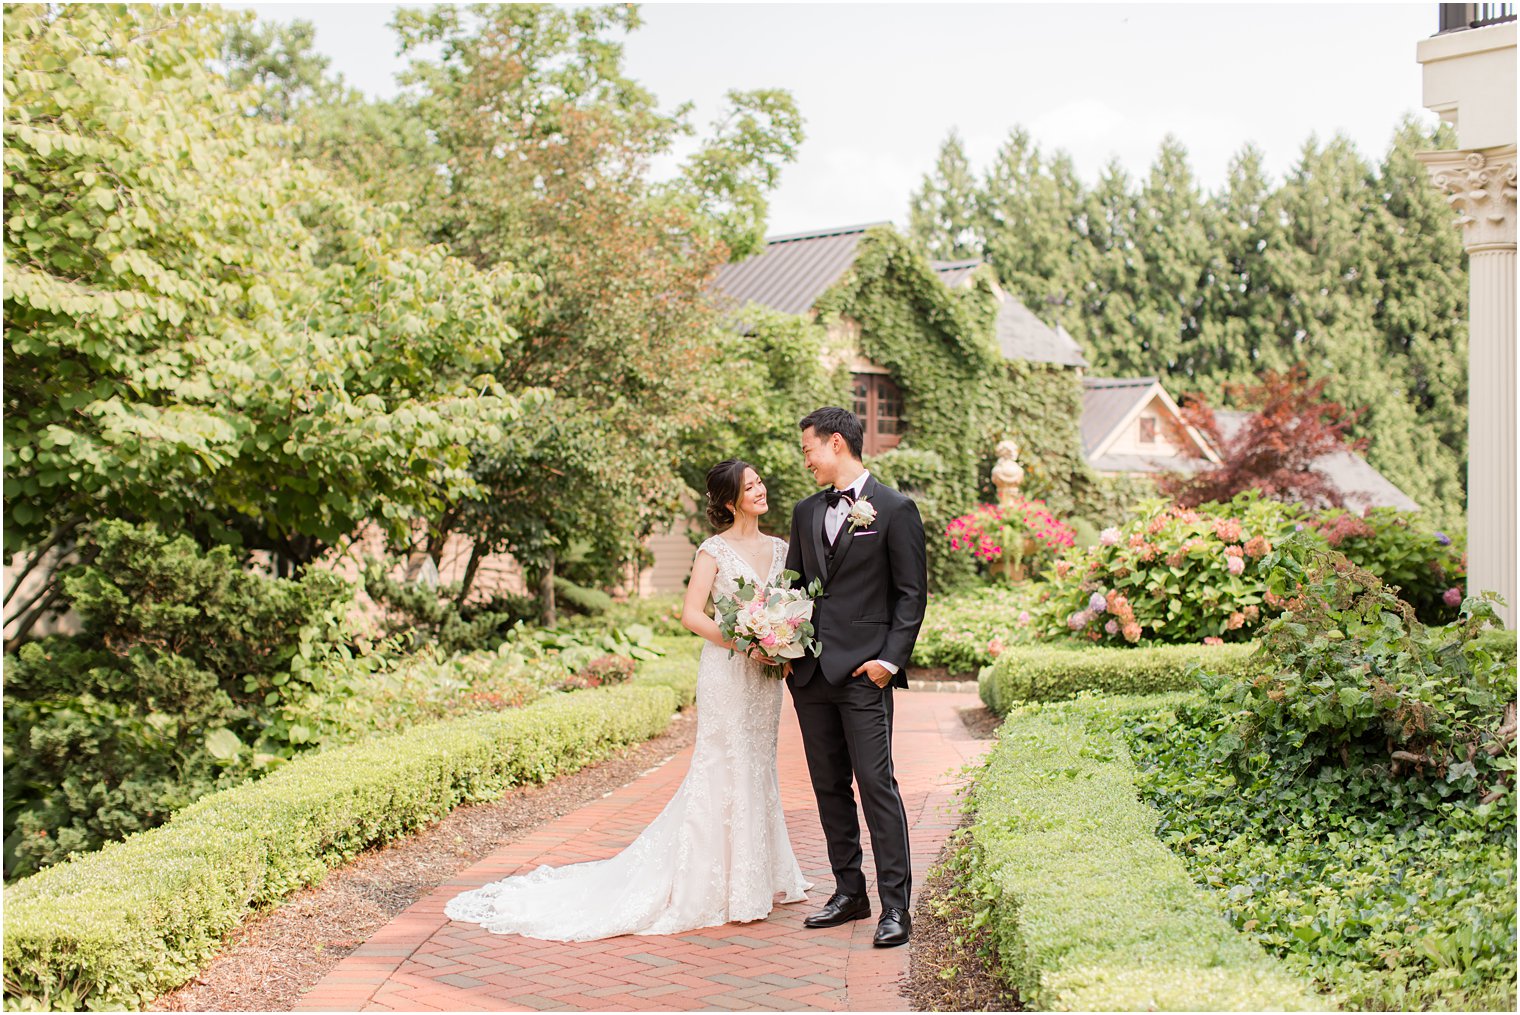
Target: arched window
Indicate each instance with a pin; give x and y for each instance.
(879, 404)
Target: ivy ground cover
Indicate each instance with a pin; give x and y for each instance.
(1352, 799)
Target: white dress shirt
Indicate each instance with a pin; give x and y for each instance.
(833, 521)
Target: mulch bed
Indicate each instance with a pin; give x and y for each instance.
(273, 958)
(981, 722)
(945, 974)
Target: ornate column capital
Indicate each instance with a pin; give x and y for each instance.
(1480, 185)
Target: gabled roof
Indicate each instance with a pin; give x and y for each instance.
(1106, 401)
(1361, 485)
(956, 273)
(793, 271)
(1020, 334)
(1109, 404)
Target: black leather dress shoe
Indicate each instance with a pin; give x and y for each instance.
(893, 928)
(840, 909)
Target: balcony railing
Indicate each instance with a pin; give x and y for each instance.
(1459, 17)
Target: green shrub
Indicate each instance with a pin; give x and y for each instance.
(963, 630)
(183, 658)
(1354, 800)
(922, 475)
(1168, 575)
(1051, 672)
(1179, 575)
(1087, 910)
(120, 926)
(356, 696)
(603, 671)
(1397, 716)
(661, 614)
(574, 598)
(572, 647)
(429, 615)
(676, 669)
(1405, 550)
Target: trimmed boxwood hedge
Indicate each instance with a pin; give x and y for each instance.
(118, 927)
(1086, 908)
(1044, 673)
(676, 669)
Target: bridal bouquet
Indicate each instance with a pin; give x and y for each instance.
(774, 621)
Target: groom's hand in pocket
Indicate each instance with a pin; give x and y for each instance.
(875, 672)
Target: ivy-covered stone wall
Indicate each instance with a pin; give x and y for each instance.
(961, 396)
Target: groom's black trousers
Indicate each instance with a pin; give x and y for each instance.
(847, 730)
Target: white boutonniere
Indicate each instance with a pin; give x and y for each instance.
(862, 513)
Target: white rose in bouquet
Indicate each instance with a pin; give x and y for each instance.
(771, 621)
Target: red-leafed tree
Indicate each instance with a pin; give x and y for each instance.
(1292, 426)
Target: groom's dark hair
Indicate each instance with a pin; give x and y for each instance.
(831, 420)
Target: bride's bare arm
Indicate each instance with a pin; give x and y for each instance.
(694, 608)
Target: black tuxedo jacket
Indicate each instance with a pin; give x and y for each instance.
(875, 584)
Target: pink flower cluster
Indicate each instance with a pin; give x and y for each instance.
(1342, 528)
(974, 532)
(969, 532)
(1121, 616)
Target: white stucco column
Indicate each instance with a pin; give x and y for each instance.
(1480, 185)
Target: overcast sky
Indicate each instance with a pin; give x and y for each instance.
(880, 85)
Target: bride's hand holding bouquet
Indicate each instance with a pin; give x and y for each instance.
(771, 624)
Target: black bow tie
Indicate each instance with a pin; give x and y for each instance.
(834, 496)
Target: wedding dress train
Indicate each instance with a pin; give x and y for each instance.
(718, 853)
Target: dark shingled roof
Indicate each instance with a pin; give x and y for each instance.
(1353, 476)
(794, 270)
(953, 273)
(1022, 335)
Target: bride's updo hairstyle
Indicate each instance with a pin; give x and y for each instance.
(725, 484)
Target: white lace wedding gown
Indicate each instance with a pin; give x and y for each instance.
(718, 853)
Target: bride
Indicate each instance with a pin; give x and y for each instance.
(718, 853)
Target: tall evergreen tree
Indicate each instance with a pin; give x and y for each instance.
(945, 212)
(1172, 238)
(1112, 268)
(1238, 307)
(1027, 211)
(1353, 270)
(1328, 273)
(1423, 314)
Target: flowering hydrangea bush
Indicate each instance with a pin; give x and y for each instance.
(1170, 574)
(1188, 574)
(1026, 529)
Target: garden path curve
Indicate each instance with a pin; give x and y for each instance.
(422, 961)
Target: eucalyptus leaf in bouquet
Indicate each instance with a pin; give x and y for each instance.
(772, 621)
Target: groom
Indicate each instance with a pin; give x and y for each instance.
(865, 543)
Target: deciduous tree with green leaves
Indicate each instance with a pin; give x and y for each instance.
(204, 334)
(544, 145)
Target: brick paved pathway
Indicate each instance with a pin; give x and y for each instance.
(422, 961)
